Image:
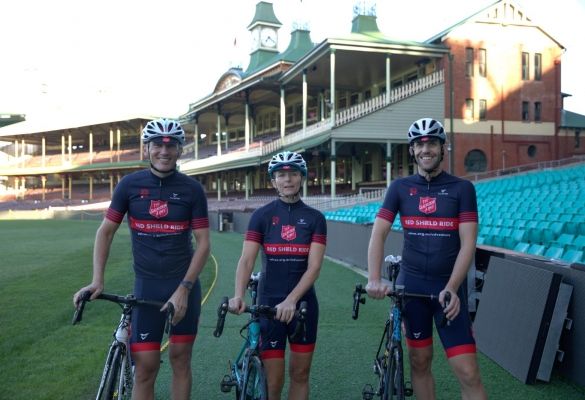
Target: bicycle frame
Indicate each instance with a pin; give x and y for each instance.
(118, 373)
(248, 363)
(389, 362)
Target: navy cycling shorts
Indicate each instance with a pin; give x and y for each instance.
(418, 314)
(148, 322)
(274, 334)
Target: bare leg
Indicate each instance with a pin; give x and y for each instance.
(146, 365)
(274, 368)
(180, 357)
(466, 369)
(299, 370)
(423, 382)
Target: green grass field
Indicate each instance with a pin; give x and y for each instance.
(45, 357)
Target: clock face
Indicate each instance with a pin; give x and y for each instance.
(268, 37)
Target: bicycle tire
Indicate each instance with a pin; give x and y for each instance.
(254, 383)
(111, 376)
(394, 377)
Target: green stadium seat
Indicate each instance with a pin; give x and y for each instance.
(564, 240)
(522, 247)
(500, 239)
(536, 249)
(578, 243)
(573, 256)
(554, 252)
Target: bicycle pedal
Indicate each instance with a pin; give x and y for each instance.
(408, 389)
(368, 392)
(226, 384)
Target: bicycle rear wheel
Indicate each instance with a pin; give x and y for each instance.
(110, 383)
(254, 384)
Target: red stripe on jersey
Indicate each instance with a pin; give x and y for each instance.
(253, 236)
(114, 216)
(149, 226)
(419, 343)
(272, 354)
(437, 224)
(468, 216)
(182, 338)
(302, 348)
(286, 249)
(200, 223)
(321, 239)
(386, 214)
(146, 346)
(462, 349)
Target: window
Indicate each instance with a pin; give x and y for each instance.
(577, 138)
(482, 62)
(468, 109)
(482, 109)
(537, 66)
(531, 151)
(367, 94)
(475, 161)
(353, 99)
(525, 67)
(525, 113)
(289, 115)
(537, 111)
(468, 61)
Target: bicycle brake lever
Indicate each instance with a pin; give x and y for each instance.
(170, 315)
(221, 313)
(444, 320)
(77, 316)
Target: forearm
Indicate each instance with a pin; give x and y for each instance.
(101, 252)
(376, 250)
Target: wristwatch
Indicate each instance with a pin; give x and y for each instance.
(187, 284)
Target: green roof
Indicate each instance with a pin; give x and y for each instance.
(364, 24)
(300, 44)
(264, 14)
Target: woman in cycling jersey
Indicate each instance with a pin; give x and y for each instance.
(292, 237)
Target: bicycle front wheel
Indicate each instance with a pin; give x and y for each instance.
(394, 379)
(112, 375)
(254, 383)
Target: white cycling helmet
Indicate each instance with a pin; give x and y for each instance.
(165, 128)
(426, 128)
(287, 160)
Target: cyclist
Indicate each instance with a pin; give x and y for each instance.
(165, 208)
(292, 236)
(438, 213)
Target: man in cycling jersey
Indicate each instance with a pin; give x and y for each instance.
(292, 236)
(438, 213)
(165, 208)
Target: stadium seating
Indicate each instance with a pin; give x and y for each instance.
(539, 213)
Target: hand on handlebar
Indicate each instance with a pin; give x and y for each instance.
(451, 303)
(377, 289)
(285, 311)
(93, 289)
(236, 305)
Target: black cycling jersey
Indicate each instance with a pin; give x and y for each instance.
(162, 213)
(285, 232)
(430, 214)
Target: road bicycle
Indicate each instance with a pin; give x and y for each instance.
(389, 361)
(247, 371)
(118, 374)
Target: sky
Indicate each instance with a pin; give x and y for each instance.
(152, 57)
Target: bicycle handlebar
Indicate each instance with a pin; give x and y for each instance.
(129, 299)
(261, 310)
(398, 294)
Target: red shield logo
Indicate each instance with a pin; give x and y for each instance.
(427, 205)
(288, 232)
(158, 208)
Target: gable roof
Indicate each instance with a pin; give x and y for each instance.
(572, 120)
(498, 12)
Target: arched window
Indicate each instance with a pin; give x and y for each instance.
(475, 161)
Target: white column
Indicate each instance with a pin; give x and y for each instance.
(333, 168)
(196, 145)
(332, 86)
(218, 134)
(282, 112)
(90, 147)
(247, 124)
(388, 163)
(387, 78)
(304, 100)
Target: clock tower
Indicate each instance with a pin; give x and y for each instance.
(264, 30)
